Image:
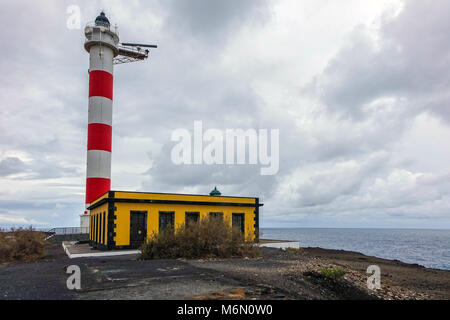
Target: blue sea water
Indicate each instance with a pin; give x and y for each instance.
(429, 248)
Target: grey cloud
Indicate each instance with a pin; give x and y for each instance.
(50, 170)
(11, 165)
(229, 178)
(214, 21)
(27, 205)
(35, 169)
(339, 179)
(410, 62)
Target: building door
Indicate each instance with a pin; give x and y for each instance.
(138, 228)
(239, 222)
(104, 228)
(166, 221)
(96, 228)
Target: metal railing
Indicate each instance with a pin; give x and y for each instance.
(92, 24)
(68, 230)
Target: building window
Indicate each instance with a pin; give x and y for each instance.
(239, 222)
(100, 227)
(90, 227)
(104, 227)
(166, 221)
(96, 228)
(216, 215)
(192, 217)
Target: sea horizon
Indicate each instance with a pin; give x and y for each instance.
(427, 247)
(367, 228)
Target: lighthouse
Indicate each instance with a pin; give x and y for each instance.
(124, 219)
(105, 51)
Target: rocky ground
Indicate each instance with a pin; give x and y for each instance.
(298, 275)
(276, 275)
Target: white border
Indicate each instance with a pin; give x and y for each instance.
(98, 254)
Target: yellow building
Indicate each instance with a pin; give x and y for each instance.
(122, 220)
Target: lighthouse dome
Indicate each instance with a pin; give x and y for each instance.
(102, 20)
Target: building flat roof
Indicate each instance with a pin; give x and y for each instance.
(183, 194)
(174, 198)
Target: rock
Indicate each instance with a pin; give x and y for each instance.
(266, 289)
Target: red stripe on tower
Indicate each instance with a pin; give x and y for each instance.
(96, 187)
(100, 84)
(99, 137)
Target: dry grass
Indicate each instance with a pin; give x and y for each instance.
(21, 245)
(209, 238)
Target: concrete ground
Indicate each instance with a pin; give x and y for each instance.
(117, 277)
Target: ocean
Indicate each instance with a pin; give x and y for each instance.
(429, 248)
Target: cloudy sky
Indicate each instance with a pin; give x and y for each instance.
(358, 90)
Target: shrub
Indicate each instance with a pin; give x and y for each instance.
(332, 273)
(208, 238)
(294, 250)
(21, 245)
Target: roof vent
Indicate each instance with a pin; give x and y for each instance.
(215, 192)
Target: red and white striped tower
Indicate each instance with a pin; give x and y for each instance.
(102, 45)
(104, 52)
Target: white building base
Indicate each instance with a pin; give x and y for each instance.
(281, 244)
(84, 223)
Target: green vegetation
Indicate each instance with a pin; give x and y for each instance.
(332, 273)
(21, 245)
(294, 250)
(208, 238)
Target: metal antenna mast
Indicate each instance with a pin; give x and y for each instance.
(131, 52)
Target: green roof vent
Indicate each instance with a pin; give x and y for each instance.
(215, 192)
